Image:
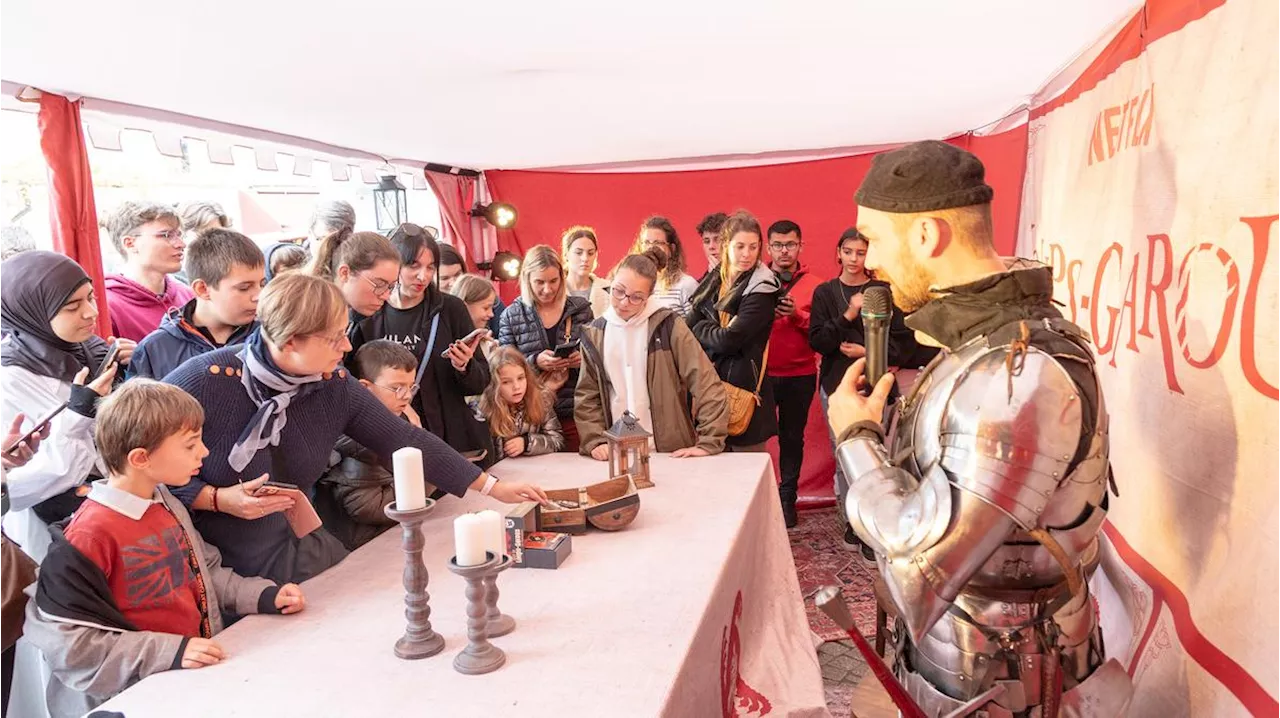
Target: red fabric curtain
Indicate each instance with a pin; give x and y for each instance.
(72, 214)
(456, 194)
(817, 195)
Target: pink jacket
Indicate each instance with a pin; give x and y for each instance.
(136, 311)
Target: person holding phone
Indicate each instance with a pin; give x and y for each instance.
(49, 357)
(546, 317)
(17, 568)
(274, 410)
(437, 329)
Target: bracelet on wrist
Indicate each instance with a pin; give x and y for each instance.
(215, 500)
(488, 485)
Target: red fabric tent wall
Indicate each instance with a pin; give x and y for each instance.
(72, 214)
(818, 195)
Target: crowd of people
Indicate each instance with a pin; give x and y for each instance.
(231, 370)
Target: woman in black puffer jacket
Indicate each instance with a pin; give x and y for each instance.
(732, 317)
(542, 318)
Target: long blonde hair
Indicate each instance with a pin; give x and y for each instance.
(538, 258)
(501, 415)
(740, 221)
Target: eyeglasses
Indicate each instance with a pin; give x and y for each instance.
(381, 289)
(656, 243)
(622, 296)
(402, 393)
(784, 246)
(168, 235)
(335, 341)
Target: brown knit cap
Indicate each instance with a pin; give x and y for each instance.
(922, 177)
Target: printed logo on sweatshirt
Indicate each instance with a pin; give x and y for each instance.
(408, 340)
(154, 568)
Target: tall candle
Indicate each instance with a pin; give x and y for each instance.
(469, 540)
(495, 531)
(411, 487)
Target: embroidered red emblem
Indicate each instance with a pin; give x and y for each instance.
(736, 697)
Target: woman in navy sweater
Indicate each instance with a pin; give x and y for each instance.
(275, 407)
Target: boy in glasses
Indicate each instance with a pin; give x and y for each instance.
(148, 236)
(351, 496)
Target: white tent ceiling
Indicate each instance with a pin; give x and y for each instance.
(514, 83)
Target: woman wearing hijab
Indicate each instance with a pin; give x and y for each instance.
(48, 313)
(431, 324)
(274, 408)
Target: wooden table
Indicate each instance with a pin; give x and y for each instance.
(693, 610)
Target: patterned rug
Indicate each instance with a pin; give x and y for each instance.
(821, 560)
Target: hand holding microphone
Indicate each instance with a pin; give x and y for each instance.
(877, 311)
(849, 404)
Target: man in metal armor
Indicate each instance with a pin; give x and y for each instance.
(985, 509)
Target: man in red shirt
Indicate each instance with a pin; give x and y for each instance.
(792, 365)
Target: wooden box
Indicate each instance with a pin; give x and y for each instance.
(611, 505)
(565, 514)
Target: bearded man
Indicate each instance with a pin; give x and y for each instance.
(984, 513)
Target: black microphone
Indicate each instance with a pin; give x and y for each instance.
(877, 310)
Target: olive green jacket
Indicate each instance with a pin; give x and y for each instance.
(685, 395)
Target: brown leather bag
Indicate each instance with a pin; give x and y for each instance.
(17, 571)
(743, 403)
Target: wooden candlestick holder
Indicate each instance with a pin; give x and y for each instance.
(499, 624)
(480, 656)
(419, 639)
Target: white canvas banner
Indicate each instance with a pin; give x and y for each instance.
(1153, 195)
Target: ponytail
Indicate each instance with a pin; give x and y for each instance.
(358, 251)
(322, 256)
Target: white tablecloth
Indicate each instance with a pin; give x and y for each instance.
(693, 610)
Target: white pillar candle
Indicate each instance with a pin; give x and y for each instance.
(411, 487)
(469, 540)
(495, 530)
(630, 402)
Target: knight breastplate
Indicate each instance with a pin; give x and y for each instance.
(1015, 610)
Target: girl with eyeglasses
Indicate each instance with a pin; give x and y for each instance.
(274, 409)
(641, 357)
(363, 265)
(675, 286)
(432, 325)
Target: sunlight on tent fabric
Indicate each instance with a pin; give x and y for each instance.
(564, 83)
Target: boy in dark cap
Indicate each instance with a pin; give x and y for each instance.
(985, 522)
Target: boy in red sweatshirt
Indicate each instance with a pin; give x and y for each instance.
(129, 588)
(149, 238)
(792, 366)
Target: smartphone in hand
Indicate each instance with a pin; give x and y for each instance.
(564, 351)
(107, 360)
(40, 426)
